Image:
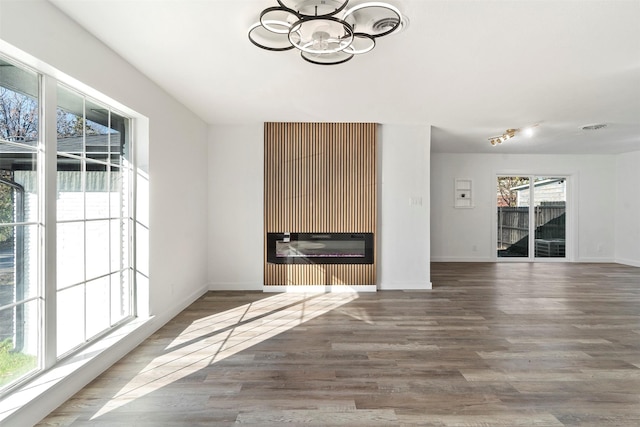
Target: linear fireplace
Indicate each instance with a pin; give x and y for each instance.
(320, 248)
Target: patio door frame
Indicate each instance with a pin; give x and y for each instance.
(570, 217)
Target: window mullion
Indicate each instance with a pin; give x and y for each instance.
(48, 153)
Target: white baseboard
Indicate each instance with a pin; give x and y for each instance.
(320, 288)
(597, 260)
(629, 262)
(460, 259)
(235, 286)
(178, 308)
(405, 286)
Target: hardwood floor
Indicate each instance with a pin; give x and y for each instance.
(509, 344)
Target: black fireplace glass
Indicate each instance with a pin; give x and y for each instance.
(320, 248)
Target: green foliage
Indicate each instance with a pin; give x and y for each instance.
(13, 364)
(6, 212)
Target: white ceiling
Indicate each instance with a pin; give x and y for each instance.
(471, 69)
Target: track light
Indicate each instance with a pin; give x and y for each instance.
(510, 133)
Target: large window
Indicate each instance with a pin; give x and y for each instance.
(92, 290)
(20, 294)
(93, 276)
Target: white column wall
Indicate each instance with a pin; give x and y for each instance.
(628, 208)
(236, 200)
(468, 234)
(404, 207)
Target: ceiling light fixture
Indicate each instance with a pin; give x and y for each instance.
(326, 32)
(510, 133)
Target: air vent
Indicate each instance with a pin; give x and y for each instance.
(384, 24)
(594, 127)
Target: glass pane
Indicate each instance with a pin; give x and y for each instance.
(18, 263)
(97, 131)
(97, 253)
(19, 341)
(18, 105)
(70, 185)
(70, 250)
(70, 120)
(116, 193)
(70, 315)
(119, 138)
(513, 216)
(550, 200)
(97, 191)
(120, 296)
(18, 184)
(98, 309)
(118, 244)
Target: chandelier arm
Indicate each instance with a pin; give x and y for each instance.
(257, 27)
(353, 50)
(341, 58)
(269, 23)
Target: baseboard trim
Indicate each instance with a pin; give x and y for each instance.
(458, 259)
(598, 260)
(319, 288)
(236, 286)
(629, 262)
(408, 286)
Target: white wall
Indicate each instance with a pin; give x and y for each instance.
(403, 207)
(236, 183)
(628, 208)
(468, 234)
(175, 158)
(236, 224)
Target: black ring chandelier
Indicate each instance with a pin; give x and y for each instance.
(326, 32)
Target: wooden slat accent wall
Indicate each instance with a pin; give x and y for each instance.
(320, 177)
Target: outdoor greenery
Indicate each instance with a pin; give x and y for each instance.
(6, 212)
(13, 364)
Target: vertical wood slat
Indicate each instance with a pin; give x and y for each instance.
(320, 177)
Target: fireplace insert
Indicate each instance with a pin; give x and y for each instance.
(320, 248)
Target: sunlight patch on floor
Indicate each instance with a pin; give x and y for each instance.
(216, 337)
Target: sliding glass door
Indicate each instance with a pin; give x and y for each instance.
(531, 206)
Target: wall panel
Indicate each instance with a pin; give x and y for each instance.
(320, 177)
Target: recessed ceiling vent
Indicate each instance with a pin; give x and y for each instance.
(594, 127)
(385, 24)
